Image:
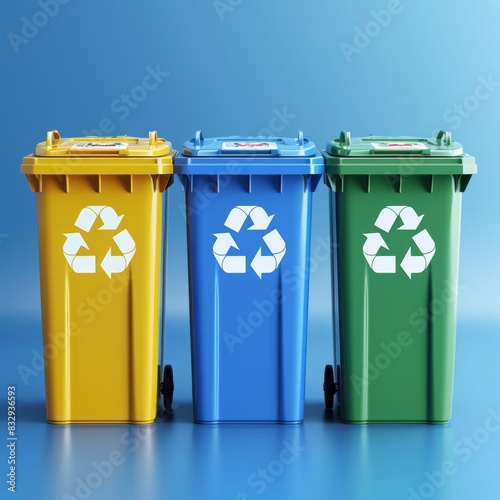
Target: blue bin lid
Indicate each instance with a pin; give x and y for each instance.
(253, 155)
(249, 146)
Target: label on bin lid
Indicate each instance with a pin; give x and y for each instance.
(400, 145)
(101, 146)
(259, 145)
(249, 146)
(442, 145)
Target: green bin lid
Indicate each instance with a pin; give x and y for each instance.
(385, 155)
(442, 145)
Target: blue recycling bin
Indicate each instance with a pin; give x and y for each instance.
(248, 209)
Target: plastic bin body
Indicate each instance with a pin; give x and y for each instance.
(248, 317)
(99, 222)
(396, 220)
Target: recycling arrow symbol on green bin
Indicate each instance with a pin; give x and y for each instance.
(411, 264)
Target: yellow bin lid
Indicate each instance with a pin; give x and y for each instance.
(100, 155)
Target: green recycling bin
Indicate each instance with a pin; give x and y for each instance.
(395, 222)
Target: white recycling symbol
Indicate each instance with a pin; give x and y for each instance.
(87, 263)
(411, 264)
(261, 264)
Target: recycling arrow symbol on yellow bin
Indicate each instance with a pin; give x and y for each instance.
(411, 264)
(86, 264)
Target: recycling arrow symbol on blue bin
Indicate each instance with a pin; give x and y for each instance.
(237, 264)
(411, 264)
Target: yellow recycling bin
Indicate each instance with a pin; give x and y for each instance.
(99, 203)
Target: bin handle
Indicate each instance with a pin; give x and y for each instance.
(198, 138)
(153, 138)
(300, 138)
(345, 138)
(443, 138)
(52, 136)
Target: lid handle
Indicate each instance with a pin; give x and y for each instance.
(443, 138)
(198, 138)
(153, 138)
(52, 136)
(300, 138)
(345, 138)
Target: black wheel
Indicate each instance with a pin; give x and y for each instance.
(168, 388)
(329, 387)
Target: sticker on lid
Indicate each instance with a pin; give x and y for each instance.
(249, 146)
(101, 146)
(399, 145)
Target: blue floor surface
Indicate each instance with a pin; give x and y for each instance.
(322, 458)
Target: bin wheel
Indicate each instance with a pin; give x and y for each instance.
(329, 387)
(168, 388)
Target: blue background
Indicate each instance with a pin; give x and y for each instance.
(244, 67)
